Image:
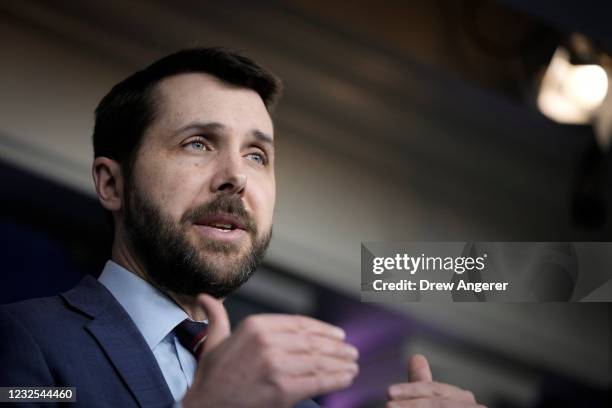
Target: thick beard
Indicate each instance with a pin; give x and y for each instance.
(173, 264)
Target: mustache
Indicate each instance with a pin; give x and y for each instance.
(226, 204)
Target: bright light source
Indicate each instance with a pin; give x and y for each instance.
(571, 93)
(587, 85)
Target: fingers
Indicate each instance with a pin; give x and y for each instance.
(311, 344)
(303, 357)
(423, 389)
(308, 365)
(218, 322)
(293, 324)
(418, 368)
(432, 403)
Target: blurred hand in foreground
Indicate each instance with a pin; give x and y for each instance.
(422, 392)
(269, 361)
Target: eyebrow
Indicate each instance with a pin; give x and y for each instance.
(206, 126)
(216, 126)
(263, 137)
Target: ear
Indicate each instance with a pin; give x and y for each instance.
(109, 183)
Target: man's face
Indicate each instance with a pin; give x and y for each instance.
(199, 204)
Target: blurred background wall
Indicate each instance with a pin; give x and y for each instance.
(401, 120)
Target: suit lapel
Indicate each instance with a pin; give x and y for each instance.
(121, 341)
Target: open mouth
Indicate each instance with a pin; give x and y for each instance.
(223, 227)
(221, 222)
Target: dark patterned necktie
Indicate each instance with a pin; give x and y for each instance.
(191, 335)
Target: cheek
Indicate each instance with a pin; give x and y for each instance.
(263, 200)
(168, 186)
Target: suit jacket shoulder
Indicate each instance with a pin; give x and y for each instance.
(82, 338)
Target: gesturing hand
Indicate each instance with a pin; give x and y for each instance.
(269, 361)
(423, 392)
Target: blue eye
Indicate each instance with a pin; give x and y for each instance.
(197, 144)
(256, 157)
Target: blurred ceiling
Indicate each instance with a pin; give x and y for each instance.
(497, 44)
(483, 41)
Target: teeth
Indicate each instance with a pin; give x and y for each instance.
(223, 226)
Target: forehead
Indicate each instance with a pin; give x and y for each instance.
(199, 97)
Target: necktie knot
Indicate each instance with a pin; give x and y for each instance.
(191, 335)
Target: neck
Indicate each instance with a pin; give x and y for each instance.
(122, 255)
(189, 304)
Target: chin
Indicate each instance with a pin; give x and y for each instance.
(222, 258)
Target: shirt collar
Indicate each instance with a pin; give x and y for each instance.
(153, 312)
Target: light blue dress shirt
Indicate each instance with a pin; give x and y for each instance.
(155, 315)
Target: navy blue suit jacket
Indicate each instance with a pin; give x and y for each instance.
(82, 338)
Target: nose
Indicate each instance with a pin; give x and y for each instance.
(230, 177)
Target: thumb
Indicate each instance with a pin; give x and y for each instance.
(218, 322)
(418, 368)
